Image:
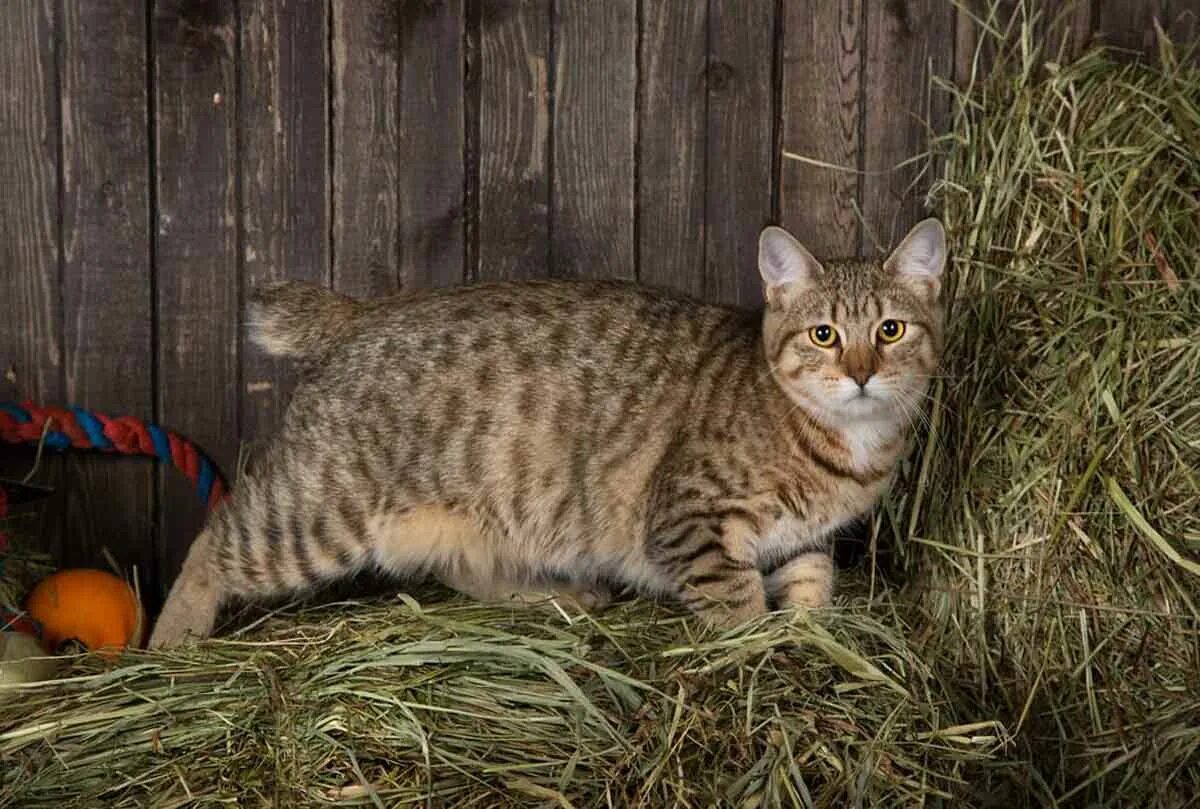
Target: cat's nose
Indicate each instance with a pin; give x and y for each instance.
(859, 362)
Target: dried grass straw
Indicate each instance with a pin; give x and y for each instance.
(462, 704)
(1042, 650)
(1054, 536)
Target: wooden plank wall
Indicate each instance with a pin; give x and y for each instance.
(159, 158)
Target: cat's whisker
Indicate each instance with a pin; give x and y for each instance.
(912, 405)
(913, 415)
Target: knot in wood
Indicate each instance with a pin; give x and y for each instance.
(720, 75)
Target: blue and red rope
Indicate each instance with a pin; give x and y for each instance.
(63, 428)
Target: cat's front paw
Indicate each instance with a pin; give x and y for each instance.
(808, 595)
(732, 612)
(806, 582)
(594, 597)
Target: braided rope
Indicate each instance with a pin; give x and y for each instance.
(85, 429)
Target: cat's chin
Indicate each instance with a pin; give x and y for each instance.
(849, 409)
(862, 407)
(852, 411)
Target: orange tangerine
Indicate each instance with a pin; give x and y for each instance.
(94, 607)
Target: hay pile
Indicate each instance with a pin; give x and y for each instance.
(22, 562)
(461, 704)
(1054, 541)
(1043, 648)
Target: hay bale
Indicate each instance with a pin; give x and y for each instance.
(455, 704)
(1053, 528)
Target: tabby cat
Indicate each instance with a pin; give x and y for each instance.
(521, 440)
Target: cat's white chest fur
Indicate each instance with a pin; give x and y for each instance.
(865, 441)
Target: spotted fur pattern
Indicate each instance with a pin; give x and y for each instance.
(517, 440)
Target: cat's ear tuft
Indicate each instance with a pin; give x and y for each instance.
(921, 257)
(784, 264)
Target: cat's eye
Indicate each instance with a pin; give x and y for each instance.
(824, 336)
(891, 330)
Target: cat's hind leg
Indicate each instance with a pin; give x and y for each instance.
(272, 537)
(195, 598)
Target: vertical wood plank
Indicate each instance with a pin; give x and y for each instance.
(1129, 24)
(31, 336)
(595, 64)
(366, 146)
(905, 41)
(31, 325)
(283, 115)
(1063, 32)
(740, 165)
(106, 270)
(513, 142)
(431, 139)
(822, 86)
(974, 52)
(1069, 31)
(1182, 21)
(672, 138)
(966, 43)
(196, 253)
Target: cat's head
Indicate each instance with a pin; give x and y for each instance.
(854, 341)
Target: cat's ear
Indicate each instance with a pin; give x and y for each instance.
(921, 257)
(784, 264)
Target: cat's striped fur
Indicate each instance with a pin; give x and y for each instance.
(519, 439)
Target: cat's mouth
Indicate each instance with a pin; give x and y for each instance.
(863, 402)
(852, 401)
